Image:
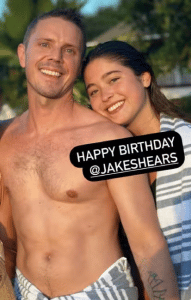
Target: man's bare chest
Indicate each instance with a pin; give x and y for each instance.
(45, 165)
(40, 158)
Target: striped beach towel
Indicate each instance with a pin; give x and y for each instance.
(173, 200)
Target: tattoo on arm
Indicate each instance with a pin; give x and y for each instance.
(155, 284)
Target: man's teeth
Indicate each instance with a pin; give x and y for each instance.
(113, 107)
(52, 73)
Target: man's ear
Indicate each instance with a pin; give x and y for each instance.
(146, 79)
(21, 54)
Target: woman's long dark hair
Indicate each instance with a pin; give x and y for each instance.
(129, 57)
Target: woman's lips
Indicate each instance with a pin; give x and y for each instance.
(114, 107)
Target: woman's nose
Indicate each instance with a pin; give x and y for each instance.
(106, 94)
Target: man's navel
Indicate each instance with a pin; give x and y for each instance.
(48, 257)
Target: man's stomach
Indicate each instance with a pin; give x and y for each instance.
(68, 264)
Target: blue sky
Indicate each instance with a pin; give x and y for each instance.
(91, 6)
(2, 6)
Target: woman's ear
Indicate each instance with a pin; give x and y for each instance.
(21, 54)
(146, 79)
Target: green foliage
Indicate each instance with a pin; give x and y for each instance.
(184, 103)
(14, 86)
(17, 18)
(43, 6)
(70, 4)
(101, 22)
(167, 27)
(80, 94)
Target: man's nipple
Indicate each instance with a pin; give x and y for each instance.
(72, 194)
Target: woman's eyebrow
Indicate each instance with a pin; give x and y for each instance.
(103, 77)
(110, 72)
(89, 86)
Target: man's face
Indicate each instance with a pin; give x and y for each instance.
(52, 58)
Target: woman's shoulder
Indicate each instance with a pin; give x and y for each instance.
(170, 123)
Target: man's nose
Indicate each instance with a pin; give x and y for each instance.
(57, 54)
(107, 93)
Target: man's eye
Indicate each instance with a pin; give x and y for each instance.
(69, 50)
(45, 45)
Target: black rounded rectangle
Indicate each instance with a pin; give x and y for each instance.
(129, 156)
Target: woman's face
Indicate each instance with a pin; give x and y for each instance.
(115, 91)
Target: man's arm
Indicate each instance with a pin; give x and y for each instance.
(6, 289)
(7, 231)
(135, 204)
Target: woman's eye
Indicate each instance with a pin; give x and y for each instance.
(92, 93)
(114, 79)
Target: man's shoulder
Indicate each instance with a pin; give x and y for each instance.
(108, 130)
(102, 128)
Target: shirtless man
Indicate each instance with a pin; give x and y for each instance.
(67, 227)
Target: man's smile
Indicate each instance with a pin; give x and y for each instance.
(51, 73)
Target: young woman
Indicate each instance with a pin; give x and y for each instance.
(122, 87)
